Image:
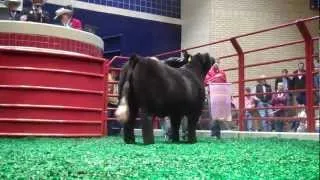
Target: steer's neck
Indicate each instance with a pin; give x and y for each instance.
(195, 66)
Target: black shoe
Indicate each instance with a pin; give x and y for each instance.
(216, 130)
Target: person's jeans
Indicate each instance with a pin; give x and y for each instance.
(113, 126)
(266, 125)
(317, 86)
(301, 98)
(295, 125)
(279, 125)
(249, 121)
(165, 126)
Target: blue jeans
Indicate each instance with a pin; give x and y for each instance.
(249, 121)
(317, 86)
(317, 80)
(266, 125)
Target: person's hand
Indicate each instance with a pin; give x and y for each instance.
(23, 18)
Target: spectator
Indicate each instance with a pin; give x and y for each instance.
(65, 15)
(265, 99)
(285, 80)
(36, 13)
(13, 13)
(250, 102)
(299, 82)
(278, 100)
(287, 83)
(215, 75)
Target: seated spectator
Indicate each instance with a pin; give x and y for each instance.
(265, 100)
(278, 100)
(65, 15)
(13, 13)
(250, 102)
(36, 13)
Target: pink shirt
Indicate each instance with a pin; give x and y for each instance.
(249, 101)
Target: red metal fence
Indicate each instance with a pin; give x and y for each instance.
(307, 40)
(51, 94)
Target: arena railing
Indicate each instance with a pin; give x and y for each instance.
(240, 53)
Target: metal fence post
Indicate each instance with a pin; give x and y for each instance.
(241, 77)
(309, 74)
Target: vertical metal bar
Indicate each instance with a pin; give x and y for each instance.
(241, 77)
(309, 76)
(106, 69)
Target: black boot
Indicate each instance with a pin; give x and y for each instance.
(216, 129)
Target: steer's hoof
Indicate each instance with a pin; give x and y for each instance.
(192, 141)
(148, 142)
(129, 141)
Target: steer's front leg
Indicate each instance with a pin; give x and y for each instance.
(147, 129)
(175, 125)
(192, 123)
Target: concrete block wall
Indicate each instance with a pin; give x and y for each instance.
(212, 20)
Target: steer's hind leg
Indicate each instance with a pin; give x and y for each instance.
(192, 124)
(128, 130)
(175, 125)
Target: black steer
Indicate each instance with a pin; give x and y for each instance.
(161, 90)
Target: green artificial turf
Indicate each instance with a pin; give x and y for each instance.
(110, 158)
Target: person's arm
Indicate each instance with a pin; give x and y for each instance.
(273, 99)
(224, 76)
(46, 18)
(208, 77)
(174, 62)
(269, 96)
(286, 97)
(79, 25)
(276, 84)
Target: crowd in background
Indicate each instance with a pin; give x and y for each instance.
(36, 13)
(289, 91)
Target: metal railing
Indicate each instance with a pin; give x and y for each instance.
(240, 53)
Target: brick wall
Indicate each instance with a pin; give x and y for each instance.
(211, 20)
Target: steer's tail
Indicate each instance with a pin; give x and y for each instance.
(122, 112)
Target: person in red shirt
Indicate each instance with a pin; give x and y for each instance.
(65, 15)
(215, 75)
